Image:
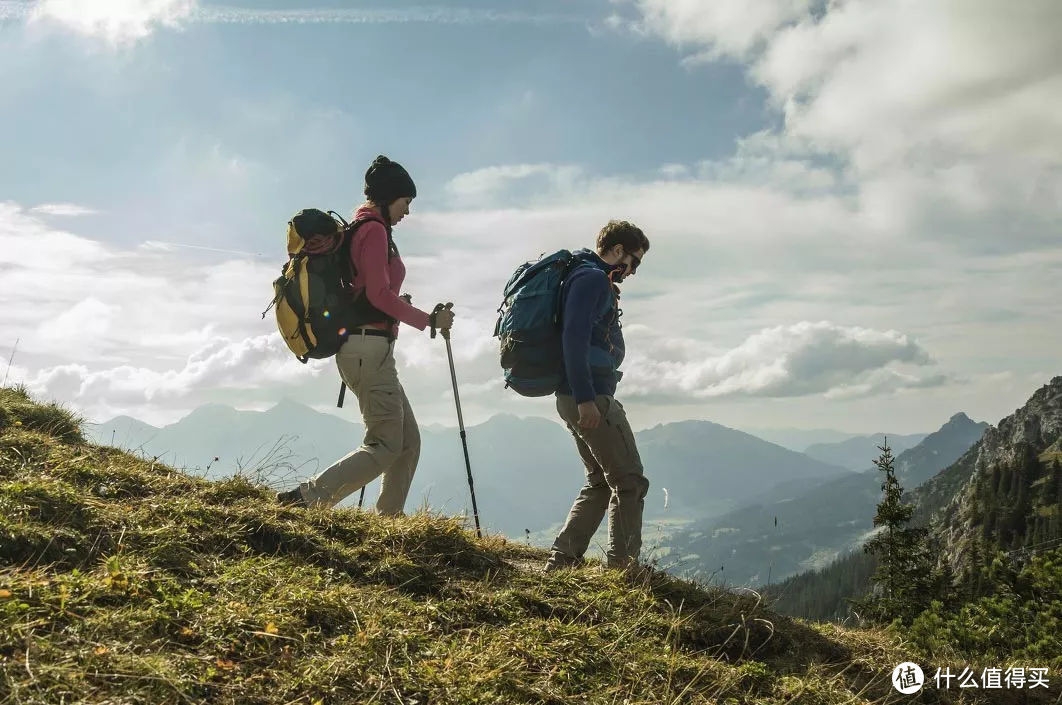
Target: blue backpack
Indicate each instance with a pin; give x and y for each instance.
(529, 325)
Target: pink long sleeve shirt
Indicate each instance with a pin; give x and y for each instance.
(380, 279)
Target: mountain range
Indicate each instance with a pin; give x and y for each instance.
(800, 526)
(798, 439)
(526, 470)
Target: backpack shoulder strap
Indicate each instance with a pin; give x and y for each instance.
(576, 263)
(341, 218)
(352, 227)
(348, 239)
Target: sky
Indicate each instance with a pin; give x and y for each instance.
(853, 207)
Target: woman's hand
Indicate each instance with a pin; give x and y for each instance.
(444, 319)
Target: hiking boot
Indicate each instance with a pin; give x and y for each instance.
(292, 498)
(636, 573)
(558, 561)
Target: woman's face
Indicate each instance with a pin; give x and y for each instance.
(399, 210)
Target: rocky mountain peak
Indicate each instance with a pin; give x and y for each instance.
(1034, 427)
(1038, 424)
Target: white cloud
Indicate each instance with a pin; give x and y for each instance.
(90, 316)
(63, 209)
(156, 330)
(731, 28)
(691, 314)
(55, 250)
(252, 362)
(922, 83)
(109, 304)
(494, 182)
(116, 21)
(941, 118)
(784, 361)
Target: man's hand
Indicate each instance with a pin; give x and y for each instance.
(589, 415)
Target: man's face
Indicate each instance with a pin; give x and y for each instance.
(629, 263)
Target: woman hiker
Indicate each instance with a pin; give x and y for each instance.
(366, 361)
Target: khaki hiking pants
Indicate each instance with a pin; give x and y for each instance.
(392, 440)
(615, 482)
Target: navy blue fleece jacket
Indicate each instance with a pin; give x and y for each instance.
(591, 338)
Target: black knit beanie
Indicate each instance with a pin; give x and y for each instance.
(386, 182)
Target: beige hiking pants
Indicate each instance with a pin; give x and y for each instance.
(392, 440)
(615, 482)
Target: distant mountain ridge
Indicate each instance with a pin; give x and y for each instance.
(853, 452)
(799, 439)
(722, 462)
(526, 470)
(795, 526)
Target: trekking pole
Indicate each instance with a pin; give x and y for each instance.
(460, 418)
(343, 393)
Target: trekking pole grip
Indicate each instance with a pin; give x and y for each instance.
(446, 331)
(438, 307)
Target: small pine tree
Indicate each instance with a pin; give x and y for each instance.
(905, 580)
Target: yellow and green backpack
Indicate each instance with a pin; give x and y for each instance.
(314, 298)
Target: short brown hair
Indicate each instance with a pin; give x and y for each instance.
(620, 232)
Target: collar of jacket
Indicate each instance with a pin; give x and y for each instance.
(591, 256)
(371, 214)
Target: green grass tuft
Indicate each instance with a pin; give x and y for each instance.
(17, 409)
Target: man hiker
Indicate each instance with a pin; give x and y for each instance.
(593, 350)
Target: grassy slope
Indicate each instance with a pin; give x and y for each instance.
(126, 581)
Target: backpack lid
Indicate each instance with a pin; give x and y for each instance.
(531, 269)
(312, 231)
